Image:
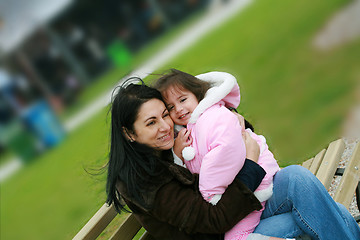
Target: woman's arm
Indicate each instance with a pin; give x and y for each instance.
(183, 207)
(252, 147)
(251, 174)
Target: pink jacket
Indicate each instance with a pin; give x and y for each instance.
(217, 140)
(218, 151)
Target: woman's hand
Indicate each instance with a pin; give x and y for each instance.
(183, 140)
(252, 147)
(241, 121)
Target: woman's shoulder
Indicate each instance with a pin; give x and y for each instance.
(173, 175)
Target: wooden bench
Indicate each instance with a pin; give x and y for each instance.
(324, 165)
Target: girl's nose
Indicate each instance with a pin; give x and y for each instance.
(178, 109)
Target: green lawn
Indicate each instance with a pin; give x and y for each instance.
(294, 95)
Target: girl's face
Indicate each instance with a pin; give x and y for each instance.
(154, 126)
(180, 103)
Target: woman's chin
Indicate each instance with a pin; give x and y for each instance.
(165, 145)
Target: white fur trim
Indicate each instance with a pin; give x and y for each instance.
(263, 143)
(188, 153)
(215, 199)
(178, 127)
(222, 84)
(264, 194)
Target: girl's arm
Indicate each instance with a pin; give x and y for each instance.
(220, 130)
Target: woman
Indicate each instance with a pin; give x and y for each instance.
(163, 196)
(165, 199)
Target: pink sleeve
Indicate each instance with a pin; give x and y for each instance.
(226, 151)
(266, 160)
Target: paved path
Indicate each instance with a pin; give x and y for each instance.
(342, 28)
(216, 15)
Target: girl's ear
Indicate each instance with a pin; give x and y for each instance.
(128, 134)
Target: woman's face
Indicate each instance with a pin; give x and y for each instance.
(153, 126)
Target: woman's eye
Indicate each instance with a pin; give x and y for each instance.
(170, 108)
(150, 123)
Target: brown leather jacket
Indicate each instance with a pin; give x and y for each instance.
(176, 210)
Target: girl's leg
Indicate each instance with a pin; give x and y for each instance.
(298, 192)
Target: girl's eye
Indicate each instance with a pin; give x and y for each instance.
(166, 115)
(170, 108)
(183, 100)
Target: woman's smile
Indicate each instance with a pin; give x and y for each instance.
(165, 137)
(154, 126)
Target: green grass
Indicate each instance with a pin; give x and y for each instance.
(6, 157)
(294, 95)
(52, 197)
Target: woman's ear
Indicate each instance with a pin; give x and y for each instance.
(128, 134)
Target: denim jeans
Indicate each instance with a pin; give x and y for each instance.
(300, 205)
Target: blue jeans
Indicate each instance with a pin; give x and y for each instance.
(300, 205)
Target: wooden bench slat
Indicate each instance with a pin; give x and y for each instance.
(97, 223)
(349, 180)
(146, 236)
(307, 163)
(128, 229)
(330, 162)
(317, 162)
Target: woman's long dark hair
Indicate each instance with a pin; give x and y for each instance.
(131, 163)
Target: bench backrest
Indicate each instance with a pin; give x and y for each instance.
(325, 164)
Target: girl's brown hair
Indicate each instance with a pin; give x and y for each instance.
(182, 80)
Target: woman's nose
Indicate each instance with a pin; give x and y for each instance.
(164, 126)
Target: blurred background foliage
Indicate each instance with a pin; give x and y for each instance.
(296, 95)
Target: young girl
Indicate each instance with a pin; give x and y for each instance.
(211, 144)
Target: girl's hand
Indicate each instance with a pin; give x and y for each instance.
(252, 147)
(183, 140)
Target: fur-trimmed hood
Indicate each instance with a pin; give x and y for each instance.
(224, 87)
